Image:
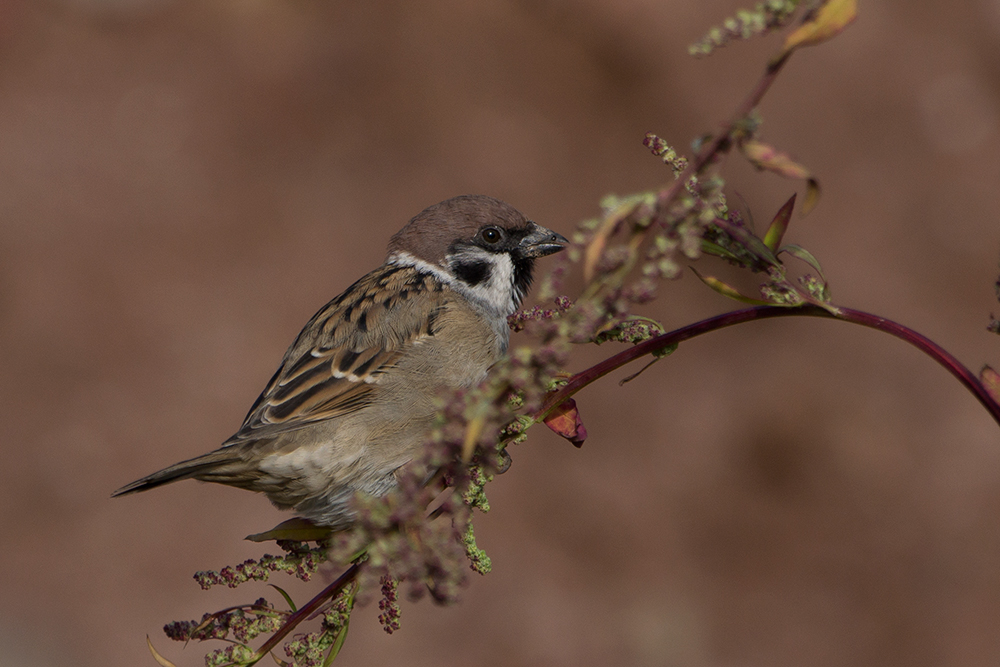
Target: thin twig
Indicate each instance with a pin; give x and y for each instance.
(720, 142)
(306, 610)
(921, 342)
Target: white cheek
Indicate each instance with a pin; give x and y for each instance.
(496, 295)
(502, 283)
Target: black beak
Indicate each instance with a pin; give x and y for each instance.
(540, 242)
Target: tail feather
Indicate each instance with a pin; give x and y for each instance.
(196, 467)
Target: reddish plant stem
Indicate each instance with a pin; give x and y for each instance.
(305, 611)
(720, 142)
(922, 343)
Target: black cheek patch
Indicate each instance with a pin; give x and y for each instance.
(472, 273)
(523, 269)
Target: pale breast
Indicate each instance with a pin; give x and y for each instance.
(457, 352)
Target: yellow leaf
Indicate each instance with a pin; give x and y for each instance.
(830, 20)
(472, 433)
(297, 529)
(730, 291)
(812, 195)
(156, 656)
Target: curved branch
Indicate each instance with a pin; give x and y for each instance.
(663, 341)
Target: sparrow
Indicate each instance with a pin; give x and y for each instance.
(354, 397)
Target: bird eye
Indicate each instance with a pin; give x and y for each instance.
(492, 235)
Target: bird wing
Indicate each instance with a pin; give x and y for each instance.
(342, 355)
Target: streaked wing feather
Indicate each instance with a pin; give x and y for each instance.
(334, 366)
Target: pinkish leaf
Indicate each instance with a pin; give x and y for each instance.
(565, 420)
(765, 156)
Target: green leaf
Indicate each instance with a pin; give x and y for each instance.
(338, 643)
(753, 245)
(780, 223)
(288, 598)
(710, 248)
(665, 351)
(730, 291)
(806, 256)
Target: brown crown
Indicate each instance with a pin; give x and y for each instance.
(430, 233)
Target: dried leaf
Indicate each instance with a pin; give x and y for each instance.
(595, 249)
(991, 381)
(730, 291)
(297, 529)
(592, 254)
(778, 226)
(765, 156)
(829, 21)
(565, 420)
(156, 656)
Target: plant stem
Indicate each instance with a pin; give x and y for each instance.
(721, 141)
(306, 610)
(921, 342)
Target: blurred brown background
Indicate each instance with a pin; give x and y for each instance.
(182, 184)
